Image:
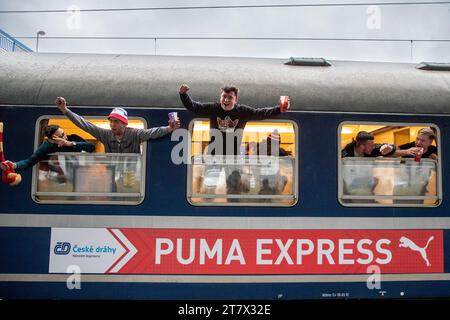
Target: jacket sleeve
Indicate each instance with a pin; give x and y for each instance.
(262, 113)
(394, 148)
(344, 153)
(201, 109)
(81, 123)
(84, 146)
(81, 144)
(151, 133)
(376, 152)
(38, 155)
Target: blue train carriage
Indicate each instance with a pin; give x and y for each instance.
(306, 225)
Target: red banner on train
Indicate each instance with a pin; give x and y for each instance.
(219, 251)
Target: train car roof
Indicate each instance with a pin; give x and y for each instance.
(153, 81)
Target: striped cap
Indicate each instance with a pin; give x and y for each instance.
(120, 114)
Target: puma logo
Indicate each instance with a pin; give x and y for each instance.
(408, 243)
(227, 125)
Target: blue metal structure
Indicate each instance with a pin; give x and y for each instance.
(10, 44)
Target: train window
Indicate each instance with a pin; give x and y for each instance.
(93, 178)
(256, 177)
(389, 164)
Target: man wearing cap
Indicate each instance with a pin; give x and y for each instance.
(120, 139)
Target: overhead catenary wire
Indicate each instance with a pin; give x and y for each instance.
(346, 4)
(230, 38)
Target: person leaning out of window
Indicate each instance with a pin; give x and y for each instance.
(364, 146)
(57, 141)
(422, 146)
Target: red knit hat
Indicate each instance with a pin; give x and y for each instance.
(120, 114)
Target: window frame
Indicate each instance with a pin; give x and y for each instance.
(340, 181)
(34, 178)
(295, 182)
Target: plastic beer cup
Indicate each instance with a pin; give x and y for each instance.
(284, 102)
(418, 155)
(173, 116)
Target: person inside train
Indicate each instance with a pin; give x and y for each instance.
(236, 185)
(422, 146)
(267, 189)
(365, 182)
(120, 138)
(251, 148)
(364, 146)
(273, 186)
(227, 116)
(272, 143)
(57, 141)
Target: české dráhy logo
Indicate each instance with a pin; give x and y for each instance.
(62, 248)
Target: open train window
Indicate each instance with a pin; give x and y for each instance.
(88, 178)
(255, 177)
(389, 164)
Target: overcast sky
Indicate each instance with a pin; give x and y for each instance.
(409, 22)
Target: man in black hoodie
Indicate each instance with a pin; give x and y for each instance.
(227, 116)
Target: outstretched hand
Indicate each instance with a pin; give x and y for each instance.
(184, 88)
(6, 165)
(173, 125)
(414, 151)
(61, 104)
(386, 149)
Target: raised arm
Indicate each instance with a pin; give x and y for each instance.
(194, 106)
(157, 132)
(265, 113)
(152, 133)
(79, 121)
